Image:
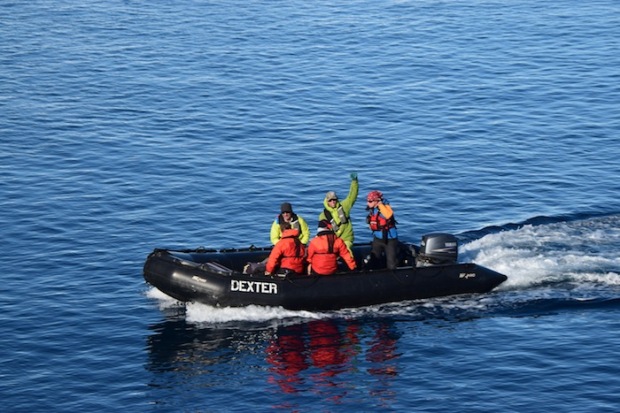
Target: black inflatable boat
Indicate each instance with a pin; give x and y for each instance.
(215, 277)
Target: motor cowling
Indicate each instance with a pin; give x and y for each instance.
(438, 248)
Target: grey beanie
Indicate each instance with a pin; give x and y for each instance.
(331, 195)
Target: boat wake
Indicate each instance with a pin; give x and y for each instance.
(581, 251)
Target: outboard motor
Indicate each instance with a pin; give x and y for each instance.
(438, 249)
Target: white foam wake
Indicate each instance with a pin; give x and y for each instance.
(580, 251)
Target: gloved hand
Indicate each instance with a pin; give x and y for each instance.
(353, 176)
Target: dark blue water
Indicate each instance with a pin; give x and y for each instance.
(126, 126)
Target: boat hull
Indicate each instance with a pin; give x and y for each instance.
(215, 278)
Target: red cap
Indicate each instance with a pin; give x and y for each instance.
(374, 196)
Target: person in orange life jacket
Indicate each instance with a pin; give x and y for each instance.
(297, 222)
(288, 254)
(337, 212)
(324, 250)
(383, 226)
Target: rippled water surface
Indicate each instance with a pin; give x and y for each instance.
(126, 126)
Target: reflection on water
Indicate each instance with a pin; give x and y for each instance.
(331, 358)
(328, 349)
(286, 353)
(318, 345)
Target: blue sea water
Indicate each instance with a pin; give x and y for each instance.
(130, 125)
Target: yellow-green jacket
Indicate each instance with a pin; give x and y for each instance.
(297, 222)
(340, 215)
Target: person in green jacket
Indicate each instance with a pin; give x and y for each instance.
(295, 221)
(338, 212)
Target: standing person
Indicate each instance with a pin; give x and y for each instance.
(337, 212)
(383, 226)
(288, 254)
(297, 222)
(324, 250)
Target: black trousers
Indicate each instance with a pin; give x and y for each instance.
(389, 248)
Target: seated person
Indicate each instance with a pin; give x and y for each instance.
(324, 250)
(296, 221)
(288, 253)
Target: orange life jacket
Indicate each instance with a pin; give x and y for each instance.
(288, 253)
(378, 222)
(323, 253)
